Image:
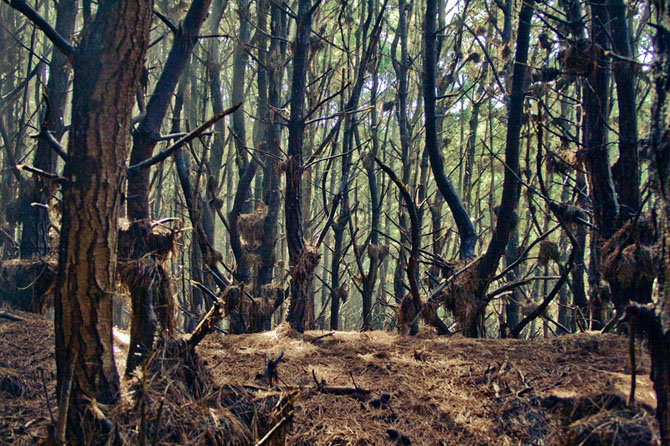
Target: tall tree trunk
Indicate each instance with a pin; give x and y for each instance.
(302, 259)
(626, 170)
(466, 230)
(35, 235)
(107, 68)
(658, 329)
(506, 217)
(144, 141)
(374, 252)
(595, 97)
(271, 179)
(400, 67)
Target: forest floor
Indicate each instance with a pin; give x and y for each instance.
(380, 388)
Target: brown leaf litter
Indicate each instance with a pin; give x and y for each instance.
(374, 388)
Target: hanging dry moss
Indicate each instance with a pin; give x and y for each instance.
(272, 291)
(562, 161)
(251, 226)
(548, 251)
(255, 314)
(570, 214)
(144, 250)
(378, 252)
(579, 57)
(27, 285)
(147, 273)
(341, 293)
(231, 295)
(459, 296)
(630, 256)
(306, 265)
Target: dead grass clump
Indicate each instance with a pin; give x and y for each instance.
(168, 406)
(548, 251)
(459, 296)
(251, 226)
(306, 265)
(378, 252)
(173, 401)
(630, 255)
(27, 285)
(602, 419)
(144, 250)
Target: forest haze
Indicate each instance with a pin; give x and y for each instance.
(485, 169)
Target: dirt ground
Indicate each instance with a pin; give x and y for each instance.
(380, 388)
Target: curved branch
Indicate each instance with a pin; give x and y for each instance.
(412, 263)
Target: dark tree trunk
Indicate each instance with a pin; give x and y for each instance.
(271, 179)
(35, 235)
(466, 230)
(595, 97)
(247, 168)
(626, 170)
(302, 259)
(107, 69)
(400, 67)
(659, 331)
(370, 278)
(144, 141)
(149, 128)
(506, 217)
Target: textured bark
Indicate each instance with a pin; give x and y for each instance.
(107, 68)
(347, 145)
(400, 68)
(271, 179)
(595, 97)
(149, 128)
(370, 278)
(660, 144)
(247, 168)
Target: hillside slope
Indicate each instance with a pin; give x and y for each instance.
(382, 388)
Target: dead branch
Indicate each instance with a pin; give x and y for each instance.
(135, 169)
(10, 317)
(53, 35)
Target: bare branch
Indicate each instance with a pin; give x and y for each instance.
(135, 169)
(59, 41)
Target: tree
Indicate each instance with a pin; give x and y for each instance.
(303, 260)
(143, 323)
(36, 222)
(110, 56)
